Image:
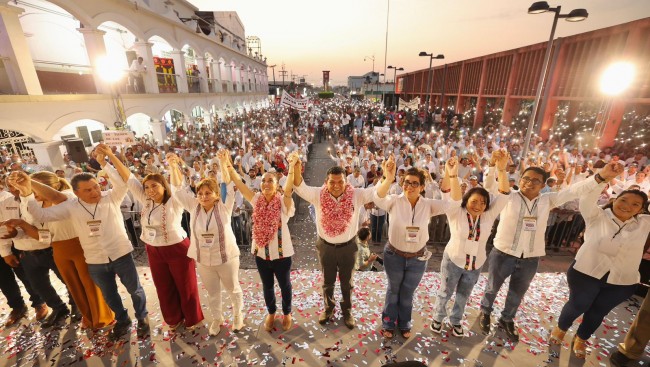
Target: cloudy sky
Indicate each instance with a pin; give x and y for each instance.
(337, 35)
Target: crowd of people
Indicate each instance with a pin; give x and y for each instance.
(390, 167)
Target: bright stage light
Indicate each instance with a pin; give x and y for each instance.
(617, 78)
(109, 69)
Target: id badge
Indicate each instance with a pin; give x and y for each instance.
(149, 234)
(426, 256)
(207, 240)
(94, 228)
(412, 234)
(530, 223)
(44, 236)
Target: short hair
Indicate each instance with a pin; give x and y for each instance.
(211, 184)
(157, 177)
(639, 193)
(336, 170)
(363, 234)
(418, 173)
(476, 190)
(537, 170)
(80, 177)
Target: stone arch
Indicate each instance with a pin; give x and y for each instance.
(120, 19)
(107, 119)
(164, 34)
(74, 9)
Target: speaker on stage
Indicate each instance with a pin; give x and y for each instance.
(76, 150)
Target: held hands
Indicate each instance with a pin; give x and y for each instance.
(501, 159)
(223, 156)
(172, 159)
(390, 168)
(294, 159)
(611, 170)
(451, 167)
(22, 182)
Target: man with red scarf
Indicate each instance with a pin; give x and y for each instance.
(337, 206)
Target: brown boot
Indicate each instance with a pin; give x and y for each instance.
(287, 322)
(348, 320)
(325, 317)
(41, 311)
(269, 321)
(16, 315)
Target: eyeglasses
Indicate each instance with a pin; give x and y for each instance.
(534, 181)
(411, 183)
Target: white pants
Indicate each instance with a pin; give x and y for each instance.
(228, 275)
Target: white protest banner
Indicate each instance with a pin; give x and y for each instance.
(413, 104)
(118, 137)
(382, 130)
(298, 103)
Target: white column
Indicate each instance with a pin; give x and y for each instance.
(19, 64)
(143, 49)
(215, 69)
(180, 71)
(203, 77)
(48, 154)
(96, 48)
(159, 131)
(231, 79)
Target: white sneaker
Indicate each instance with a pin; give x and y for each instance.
(215, 327)
(238, 322)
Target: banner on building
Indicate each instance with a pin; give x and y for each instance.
(118, 137)
(165, 73)
(412, 104)
(299, 104)
(326, 77)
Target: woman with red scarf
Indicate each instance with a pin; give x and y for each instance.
(272, 246)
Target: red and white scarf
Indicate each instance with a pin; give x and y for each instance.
(266, 219)
(336, 214)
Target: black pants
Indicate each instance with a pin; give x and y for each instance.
(37, 265)
(11, 290)
(130, 229)
(281, 269)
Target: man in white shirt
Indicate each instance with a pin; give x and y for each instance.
(518, 244)
(97, 219)
(356, 179)
(337, 220)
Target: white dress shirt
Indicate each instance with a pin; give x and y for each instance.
(113, 242)
(202, 222)
(10, 209)
(272, 247)
(610, 245)
(60, 230)
(402, 215)
(356, 181)
(151, 217)
(312, 195)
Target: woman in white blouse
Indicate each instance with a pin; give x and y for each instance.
(605, 270)
(212, 241)
(271, 243)
(405, 254)
(166, 242)
(470, 222)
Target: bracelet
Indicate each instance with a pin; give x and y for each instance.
(599, 178)
(504, 192)
(445, 191)
(491, 165)
(454, 176)
(501, 170)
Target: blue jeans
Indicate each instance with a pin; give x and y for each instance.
(403, 276)
(593, 298)
(104, 276)
(376, 227)
(521, 273)
(453, 279)
(281, 269)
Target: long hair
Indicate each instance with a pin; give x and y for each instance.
(157, 177)
(52, 180)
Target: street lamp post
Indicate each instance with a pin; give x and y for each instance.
(575, 15)
(395, 69)
(431, 57)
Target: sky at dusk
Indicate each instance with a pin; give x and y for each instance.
(336, 35)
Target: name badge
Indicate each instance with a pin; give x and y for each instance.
(207, 240)
(149, 234)
(44, 236)
(412, 234)
(530, 223)
(94, 228)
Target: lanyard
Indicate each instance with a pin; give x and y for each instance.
(94, 212)
(474, 228)
(620, 228)
(151, 212)
(530, 210)
(207, 225)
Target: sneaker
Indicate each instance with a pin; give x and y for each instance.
(41, 311)
(457, 330)
(55, 316)
(238, 322)
(143, 327)
(484, 322)
(325, 317)
(348, 320)
(287, 322)
(510, 329)
(120, 329)
(436, 326)
(16, 315)
(269, 321)
(215, 327)
(619, 359)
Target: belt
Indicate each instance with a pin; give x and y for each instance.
(407, 255)
(337, 244)
(48, 249)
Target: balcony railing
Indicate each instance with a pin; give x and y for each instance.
(194, 84)
(213, 86)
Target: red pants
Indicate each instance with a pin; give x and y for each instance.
(174, 276)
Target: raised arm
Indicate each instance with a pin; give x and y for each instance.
(104, 151)
(450, 180)
(24, 184)
(297, 176)
(501, 159)
(388, 168)
(175, 174)
(294, 158)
